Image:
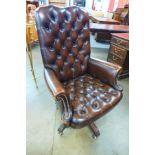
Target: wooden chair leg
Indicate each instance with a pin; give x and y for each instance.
(94, 130)
(61, 129)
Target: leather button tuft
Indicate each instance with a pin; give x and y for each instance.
(82, 111)
(106, 99)
(101, 89)
(81, 99)
(81, 92)
(96, 105)
(81, 80)
(72, 83)
(113, 92)
(81, 85)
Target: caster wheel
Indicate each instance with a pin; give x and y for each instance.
(94, 137)
(61, 129)
(60, 133)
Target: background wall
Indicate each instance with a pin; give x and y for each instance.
(104, 4)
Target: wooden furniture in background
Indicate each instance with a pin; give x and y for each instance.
(117, 13)
(107, 29)
(95, 13)
(34, 2)
(31, 33)
(59, 3)
(103, 20)
(122, 15)
(31, 6)
(119, 52)
(99, 36)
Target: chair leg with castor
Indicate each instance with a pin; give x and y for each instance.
(94, 130)
(61, 129)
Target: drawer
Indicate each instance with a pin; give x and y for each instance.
(118, 51)
(120, 42)
(115, 59)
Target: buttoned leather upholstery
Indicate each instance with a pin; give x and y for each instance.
(64, 38)
(86, 88)
(90, 99)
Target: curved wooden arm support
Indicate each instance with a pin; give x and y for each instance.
(58, 92)
(67, 113)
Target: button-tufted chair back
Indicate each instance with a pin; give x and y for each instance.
(64, 38)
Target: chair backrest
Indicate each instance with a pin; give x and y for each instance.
(64, 38)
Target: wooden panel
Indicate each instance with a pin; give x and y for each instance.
(109, 27)
(59, 3)
(115, 59)
(120, 42)
(119, 53)
(31, 33)
(122, 14)
(104, 20)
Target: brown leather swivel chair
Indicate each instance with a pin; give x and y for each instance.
(84, 87)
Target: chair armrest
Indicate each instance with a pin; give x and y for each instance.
(105, 71)
(58, 92)
(53, 82)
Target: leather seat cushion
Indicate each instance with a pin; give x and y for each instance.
(90, 99)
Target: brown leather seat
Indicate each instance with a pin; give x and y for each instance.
(89, 99)
(86, 88)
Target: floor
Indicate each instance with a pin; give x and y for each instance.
(43, 119)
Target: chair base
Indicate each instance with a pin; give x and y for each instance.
(61, 129)
(94, 130)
